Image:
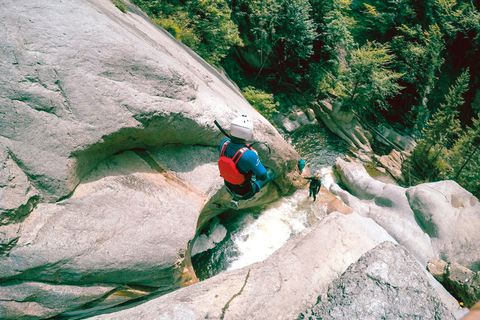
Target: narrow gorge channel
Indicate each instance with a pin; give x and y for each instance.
(236, 239)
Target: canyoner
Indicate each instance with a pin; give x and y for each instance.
(314, 187)
(242, 170)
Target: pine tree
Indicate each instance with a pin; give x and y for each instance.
(419, 58)
(445, 123)
(440, 131)
(465, 170)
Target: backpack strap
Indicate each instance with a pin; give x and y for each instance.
(239, 154)
(224, 147)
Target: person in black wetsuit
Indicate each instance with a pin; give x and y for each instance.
(315, 184)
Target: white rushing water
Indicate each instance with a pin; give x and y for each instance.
(261, 237)
(258, 234)
(275, 225)
(206, 241)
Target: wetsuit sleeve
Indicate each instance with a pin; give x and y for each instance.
(251, 162)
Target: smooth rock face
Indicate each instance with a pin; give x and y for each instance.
(121, 225)
(385, 283)
(81, 81)
(108, 149)
(387, 204)
(450, 215)
(281, 287)
(16, 298)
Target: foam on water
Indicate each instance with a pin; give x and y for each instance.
(215, 234)
(261, 237)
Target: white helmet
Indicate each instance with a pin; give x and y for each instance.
(242, 128)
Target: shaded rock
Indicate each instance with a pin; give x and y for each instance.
(385, 283)
(438, 268)
(35, 300)
(9, 235)
(461, 282)
(305, 117)
(450, 215)
(281, 287)
(17, 195)
(294, 120)
(285, 123)
(119, 296)
(393, 163)
(464, 284)
(402, 142)
(293, 116)
(310, 114)
(344, 124)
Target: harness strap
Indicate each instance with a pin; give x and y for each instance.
(224, 147)
(237, 155)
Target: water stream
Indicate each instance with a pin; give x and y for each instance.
(236, 239)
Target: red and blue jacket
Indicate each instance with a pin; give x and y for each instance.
(249, 164)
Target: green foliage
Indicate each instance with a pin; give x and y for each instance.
(450, 15)
(336, 34)
(464, 159)
(432, 156)
(419, 54)
(368, 80)
(262, 101)
(296, 30)
(177, 25)
(322, 7)
(445, 123)
(120, 5)
(278, 37)
(476, 103)
(257, 21)
(379, 19)
(419, 59)
(203, 25)
(218, 32)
